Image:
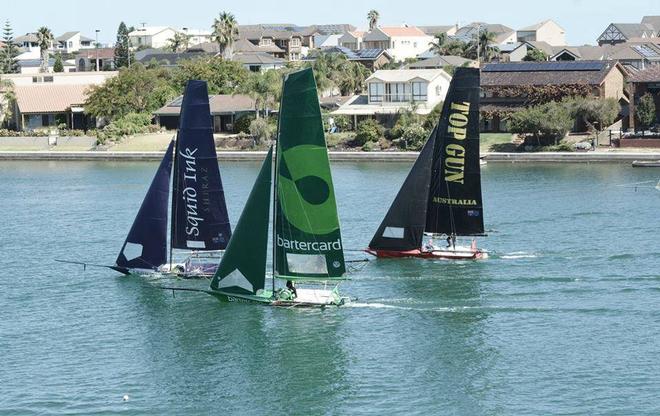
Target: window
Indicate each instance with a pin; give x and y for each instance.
(419, 91)
(376, 91)
(266, 42)
(438, 90)
(48, 78)
(396, 92)
(295, 42)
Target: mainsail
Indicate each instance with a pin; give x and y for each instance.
(199, 213)
(146, 244)
(403, 226)
(242, 268)
(307, 237)
(454, 201)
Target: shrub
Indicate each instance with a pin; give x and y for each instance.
(646, 110)
(546, 122)
(368, 131)
(261, 130)
(414, 137)
(242, 125)
(433, 117)
(130, 124)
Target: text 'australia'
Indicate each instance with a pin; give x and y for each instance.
(454, 165)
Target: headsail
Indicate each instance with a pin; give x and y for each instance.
(454, 203)
(146, 244)
(243, 266)
(403, 227)
(307, 236)
(199, 213)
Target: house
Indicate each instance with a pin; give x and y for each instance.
(633, 55)
(400, 42)
(86, 59)
(70, 42)
(326, 41)
(622, 32)
(546, 31)
(448, 30)
(503, 34)
(580, 53)
(28, 42)
(151, 36)
(288, 43)
(258, 61)
(197, 36)
(391, 91)
(441, 61)
(48, 100)
(310, 33)
(352, 40)
(225, 110)
(371, 58)
(509, 87)
(519, 52)
(33, 66)
(654, 21)
(643, 82)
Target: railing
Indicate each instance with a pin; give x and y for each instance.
(398, 98)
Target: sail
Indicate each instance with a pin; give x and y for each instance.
(403, 226)
(199, 213)
(454, 203)
(307, 236)
(242, 269)
(146, 244)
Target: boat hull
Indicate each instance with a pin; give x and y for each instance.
(431, 254)
(646, 163)
(305, 299)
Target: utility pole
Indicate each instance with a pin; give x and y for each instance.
(97, 50)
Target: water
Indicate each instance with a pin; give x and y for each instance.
(563, 319)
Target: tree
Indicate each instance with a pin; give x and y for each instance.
(645, 111)
(265, 88)
(596, 113)
(178, 43)
(333, 70)
(535, 55)
(222, 76)
(481, 46)
(6, 104)
(45, 40)
(122, 47)
(8, 64)
(439, 44)
(225, 31)
(546, 121)
(373, 17)
(58, 66)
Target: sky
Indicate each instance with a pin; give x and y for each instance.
(583, 20)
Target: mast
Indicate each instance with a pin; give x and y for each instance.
(275, 181)
(174, 204)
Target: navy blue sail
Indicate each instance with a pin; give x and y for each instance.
(199, 213)
(146, 244)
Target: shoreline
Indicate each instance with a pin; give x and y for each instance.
(497, 157)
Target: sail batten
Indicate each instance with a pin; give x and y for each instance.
(307, 235)
(145, 246)
(200, 220)
(454, 200)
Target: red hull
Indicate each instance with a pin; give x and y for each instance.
(438, 254)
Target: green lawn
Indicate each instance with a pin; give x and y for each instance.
(490, 139)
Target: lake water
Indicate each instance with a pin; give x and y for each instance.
(564, 318)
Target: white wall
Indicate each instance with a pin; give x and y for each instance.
(408, 46)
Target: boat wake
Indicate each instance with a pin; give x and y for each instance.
(518, 255)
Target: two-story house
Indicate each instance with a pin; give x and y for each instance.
(197, 36)
(623, 32)
(70, 42)
(352, 40)
(151, 36)
(400, 42)
(389, 92)
(546, 31)
(282, 44)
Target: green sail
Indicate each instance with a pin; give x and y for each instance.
(242, 269)
(307, 235)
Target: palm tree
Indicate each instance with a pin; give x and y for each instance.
(482, 45)
(372, 17)
(439, 45)
(225, 31)
(45, 40)
(178, 42)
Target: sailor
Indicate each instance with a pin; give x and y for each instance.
(292, 289)
(449, 241)
(429, 245)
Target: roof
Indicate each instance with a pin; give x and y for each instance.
(439, 61)
(329, 29)
(584, 52)
(633, 30)
(402, 31)
(28, 37)
(333, 101)
(47, 98)
(542, 46)
(650, 74)
(149, 30)
(66, 36)
(653, 21)
(546, 73)
(220, 104)
(260, 58)
(403, 75)
(434, 30)
(351, 55)
(537, 26)
(103, 53)
(467, 32)
(166, 58)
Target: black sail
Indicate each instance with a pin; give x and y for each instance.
(454, 200)
(403, 226)
(199, 213)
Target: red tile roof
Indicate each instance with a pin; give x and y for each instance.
(49, 98)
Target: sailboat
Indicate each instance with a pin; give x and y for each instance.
(306, 237)
(199, 220)
(441, 196)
